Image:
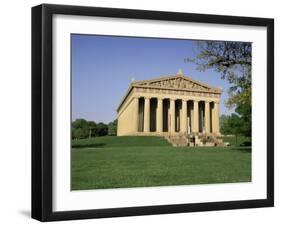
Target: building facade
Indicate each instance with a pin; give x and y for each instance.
(169, 105)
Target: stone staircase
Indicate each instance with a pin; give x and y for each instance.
(177, 140)
(194, 140)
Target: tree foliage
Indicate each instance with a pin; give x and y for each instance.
(237, 123)
(102, 129)
(231, 124)
(112, 128)
(224, 126)
(92, 127)
(233, 60)
(82, 128)
(245, 111)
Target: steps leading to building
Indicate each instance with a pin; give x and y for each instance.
(194, 140)
(177, 141)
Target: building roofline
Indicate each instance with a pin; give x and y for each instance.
(138, 84)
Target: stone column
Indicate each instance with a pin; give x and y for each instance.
(136, 115)
(188, 125)
(212, 109)
(216, 118)
(207, 116)
(195, 117)
(159, 116)
(173, 115)
(191, 119)
(146, 127)
(184, 116)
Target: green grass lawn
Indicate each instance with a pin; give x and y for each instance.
(122, 162)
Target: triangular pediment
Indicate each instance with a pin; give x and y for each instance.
(180, 82)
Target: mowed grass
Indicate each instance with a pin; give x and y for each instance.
(122, 162)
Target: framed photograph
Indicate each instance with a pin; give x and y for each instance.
(145, 112)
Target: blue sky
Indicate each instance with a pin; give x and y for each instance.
(104, 66)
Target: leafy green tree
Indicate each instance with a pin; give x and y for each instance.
(224, 125)
(79, 133)
(79, 123)
(80, 129)
(245, 111)
(112, 128)
(92, 127)
(102, 129)
(235, 122)
(233, 60)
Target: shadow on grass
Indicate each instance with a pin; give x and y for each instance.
(97, 145)
(243, 149)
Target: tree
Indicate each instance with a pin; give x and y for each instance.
(233, 60)
(232, 124)
(224, 125)
(92, 126)
(245, 111)
(79, 129)
(235, 122)
(112, 128)
(102, 129)
(79, 123)
(79, 133)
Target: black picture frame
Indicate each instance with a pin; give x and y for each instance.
(42, 111)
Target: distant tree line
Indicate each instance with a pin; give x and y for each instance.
(81, 128)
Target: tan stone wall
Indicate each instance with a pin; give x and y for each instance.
(127, 119)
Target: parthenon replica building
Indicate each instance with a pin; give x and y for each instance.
(172, 105)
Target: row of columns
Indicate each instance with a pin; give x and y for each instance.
(183, 120)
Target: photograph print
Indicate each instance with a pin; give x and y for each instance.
(149, 112)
